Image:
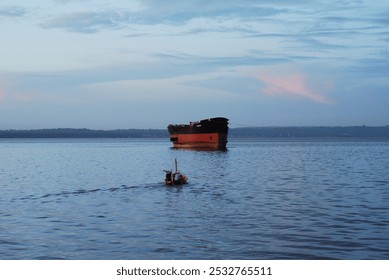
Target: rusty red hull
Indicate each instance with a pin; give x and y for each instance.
(205, 134)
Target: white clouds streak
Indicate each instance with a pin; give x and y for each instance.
(68, 1)
(12, 11)
(89, 22)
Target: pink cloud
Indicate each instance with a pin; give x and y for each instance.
(2, 94)
(292, 85)
(25, 97)
(17, 96)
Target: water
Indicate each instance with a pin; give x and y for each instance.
(105, 199)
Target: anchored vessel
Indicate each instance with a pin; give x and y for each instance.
(205, 134)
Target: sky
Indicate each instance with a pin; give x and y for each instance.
(118, 64)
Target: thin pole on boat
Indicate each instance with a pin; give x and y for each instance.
(175, 161)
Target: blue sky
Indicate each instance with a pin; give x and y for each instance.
(103, 64)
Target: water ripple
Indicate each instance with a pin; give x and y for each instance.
(258, 200)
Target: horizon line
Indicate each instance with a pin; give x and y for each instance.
(238, 127)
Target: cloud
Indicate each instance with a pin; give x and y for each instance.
(12, 11)
(180, 89)
(179, 11)
(170, 13)
(67, 1)
(290, 84)
(2, 94)
(89, 22)
(285, 28)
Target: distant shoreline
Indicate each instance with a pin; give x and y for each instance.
(247, 132)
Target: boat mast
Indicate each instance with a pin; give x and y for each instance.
(175, 161)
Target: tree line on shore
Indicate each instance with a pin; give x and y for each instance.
(246, 132)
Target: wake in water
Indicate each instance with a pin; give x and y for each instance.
(69, 194)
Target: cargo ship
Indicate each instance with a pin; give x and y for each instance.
(209, 134)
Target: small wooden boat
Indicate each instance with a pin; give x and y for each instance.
(175, 178)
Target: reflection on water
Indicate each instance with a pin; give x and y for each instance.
(106, 199)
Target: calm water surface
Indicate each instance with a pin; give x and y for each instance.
(105, 199)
